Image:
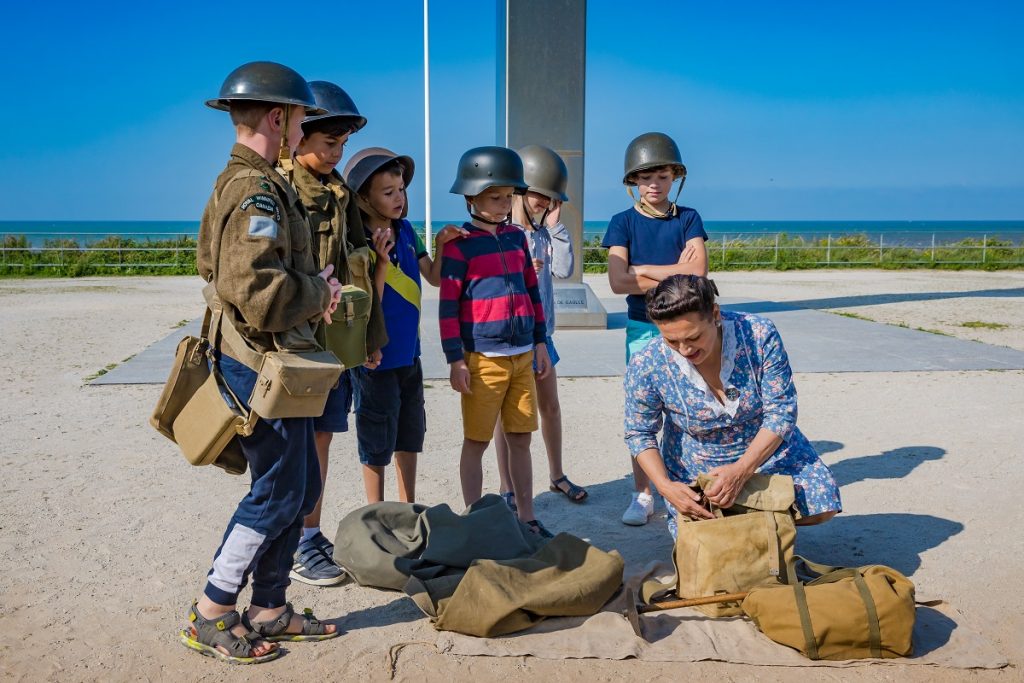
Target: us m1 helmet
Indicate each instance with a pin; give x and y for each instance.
(366, 162)
(336, 103)
(265, 82)
(544, 172)
(652, 150)
(484, 167)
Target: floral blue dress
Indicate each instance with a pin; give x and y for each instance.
(664, 389)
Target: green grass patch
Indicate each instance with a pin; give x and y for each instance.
(979, 325)
(856, 316)
(103, 371)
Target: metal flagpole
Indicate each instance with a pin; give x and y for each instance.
(426, 126)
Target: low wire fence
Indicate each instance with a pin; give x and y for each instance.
(783, 251)
(77, 254)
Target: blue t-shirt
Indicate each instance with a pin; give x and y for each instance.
(651, 242)
(401, 300)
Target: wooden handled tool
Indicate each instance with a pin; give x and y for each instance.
(633, 610)
(690, 602)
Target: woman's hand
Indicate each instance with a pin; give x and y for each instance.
(458, 377)
(685, 500)
(729, 479)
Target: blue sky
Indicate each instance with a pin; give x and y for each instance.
(783, 110)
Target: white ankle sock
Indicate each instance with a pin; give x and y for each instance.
(645, 499)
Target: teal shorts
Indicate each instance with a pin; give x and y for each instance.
(638, 335)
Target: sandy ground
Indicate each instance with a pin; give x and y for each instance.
(106, 533)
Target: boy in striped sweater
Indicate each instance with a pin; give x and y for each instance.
(492, 324)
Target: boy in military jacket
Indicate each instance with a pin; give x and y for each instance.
(254, 251)
(338, 240)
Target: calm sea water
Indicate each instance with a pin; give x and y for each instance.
(897, 231)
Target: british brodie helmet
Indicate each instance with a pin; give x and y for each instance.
(336, 103)
(265, 82)
(484, 167)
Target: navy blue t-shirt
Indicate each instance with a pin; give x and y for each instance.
(651, 242)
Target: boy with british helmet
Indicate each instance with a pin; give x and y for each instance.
(650, 241)
(254, 251)
(338, 240)
(492, 324)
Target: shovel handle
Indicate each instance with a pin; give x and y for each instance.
(690, 602)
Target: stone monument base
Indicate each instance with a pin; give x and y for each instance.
(576, 306)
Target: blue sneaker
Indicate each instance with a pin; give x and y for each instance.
(313, 566)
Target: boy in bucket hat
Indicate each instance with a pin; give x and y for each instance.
(647, 243)
(253, 249)
(389, 406)
(492, 323)
(338, 240)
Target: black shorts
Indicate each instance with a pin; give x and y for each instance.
(389, 412)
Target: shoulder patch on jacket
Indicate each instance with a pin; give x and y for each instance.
(264, 202)
(262, 226)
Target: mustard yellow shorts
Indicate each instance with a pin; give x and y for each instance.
(504, 386)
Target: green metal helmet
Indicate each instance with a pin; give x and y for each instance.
(484, 167)
(336, 103)
(651, 150)
(544, 172)
(265, 82)
(366, 162)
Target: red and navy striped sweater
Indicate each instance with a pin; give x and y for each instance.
(489, 296)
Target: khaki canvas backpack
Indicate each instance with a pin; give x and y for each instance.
(749, 544)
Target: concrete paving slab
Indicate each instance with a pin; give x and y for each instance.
(816, 341)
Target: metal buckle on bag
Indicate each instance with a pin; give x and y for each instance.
(350, 313)
(265, 383)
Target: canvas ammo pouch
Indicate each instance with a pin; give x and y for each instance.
(294, 383)
(852, 613)
(749, 544)
(346, 335)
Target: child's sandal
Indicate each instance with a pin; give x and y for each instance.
(205, 635)
(576, 494)
(312, 628)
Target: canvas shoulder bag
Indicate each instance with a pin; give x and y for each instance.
(746, 545)
(844, 613)
(188, 372)
(193, 412)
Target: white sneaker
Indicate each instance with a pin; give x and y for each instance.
(640, 510)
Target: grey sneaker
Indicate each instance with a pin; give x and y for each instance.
(639, 511)
(314, 567)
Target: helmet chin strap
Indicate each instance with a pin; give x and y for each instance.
(648, 209)
(477, 217)
(370, 209)
(284, 152)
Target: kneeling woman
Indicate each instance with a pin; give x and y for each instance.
(722, 385)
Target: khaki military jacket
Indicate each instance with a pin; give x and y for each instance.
(254, 245)
(338, 238)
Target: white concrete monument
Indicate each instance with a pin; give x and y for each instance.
(541, 86)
